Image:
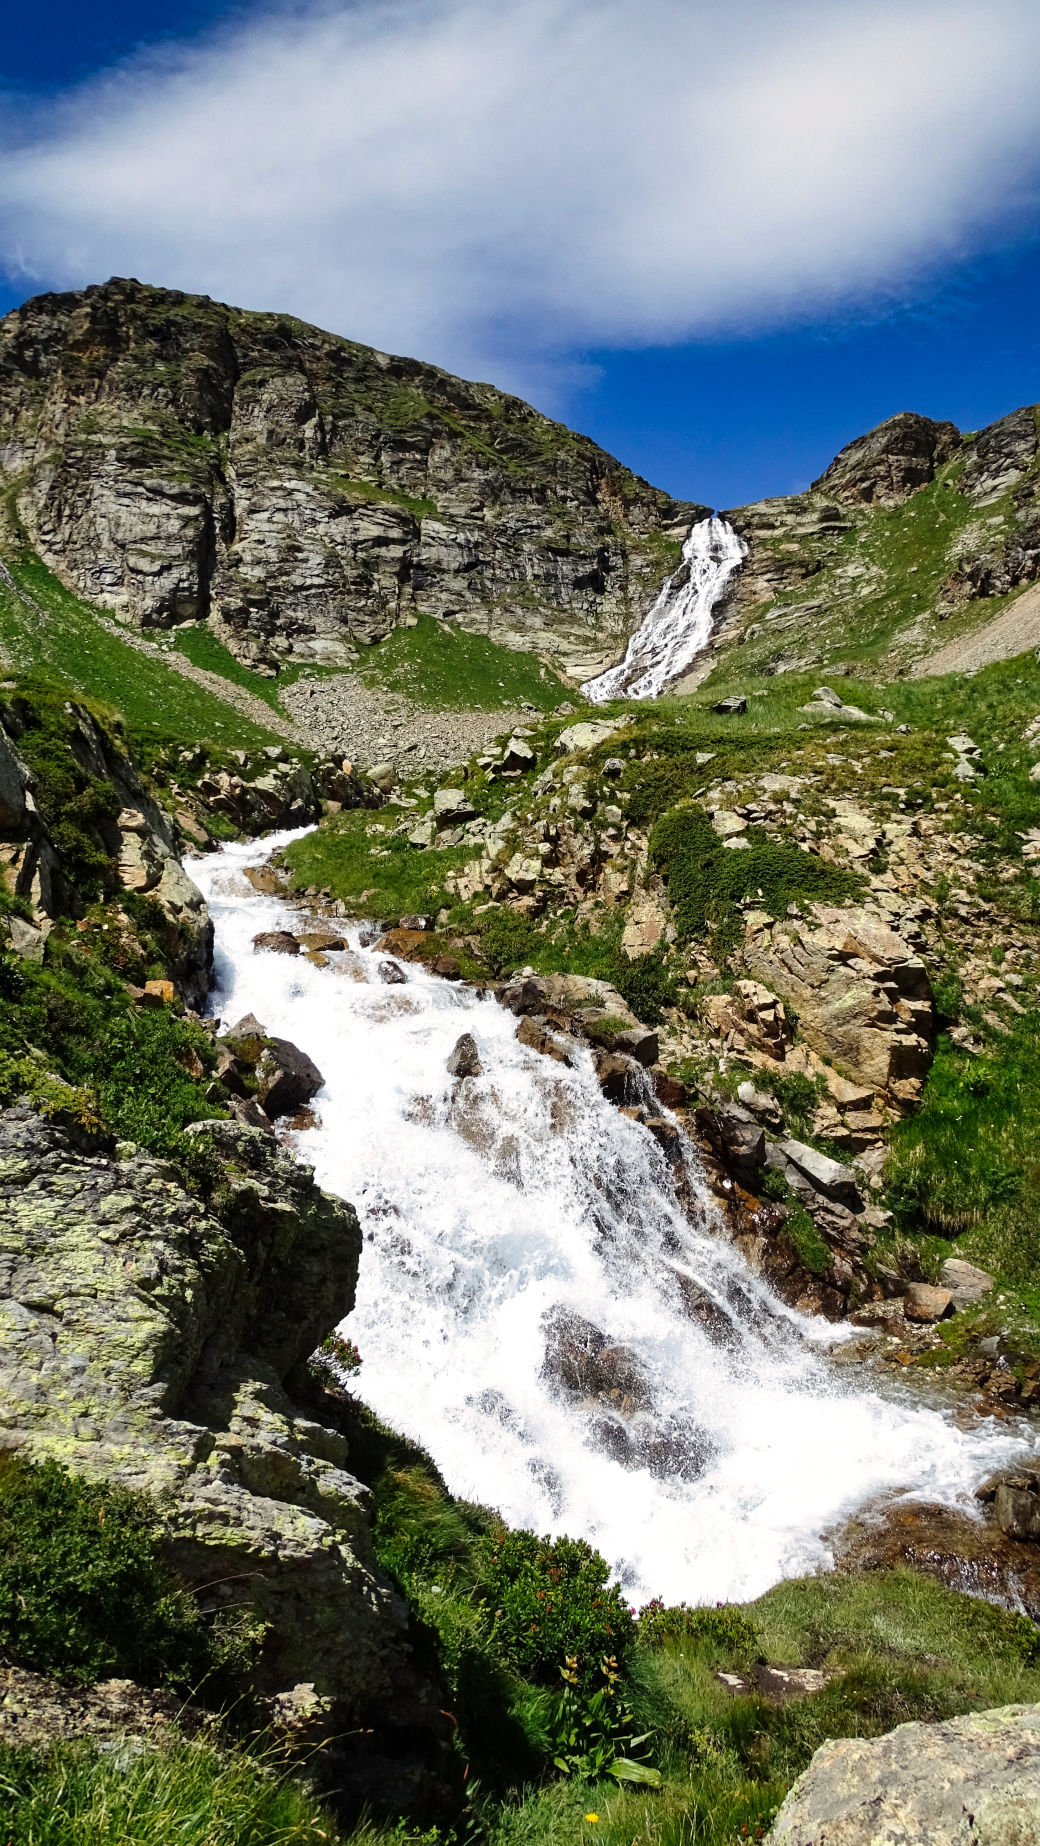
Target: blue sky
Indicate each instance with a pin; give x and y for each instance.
(723, 253)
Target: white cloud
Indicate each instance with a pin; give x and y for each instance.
(499, 186)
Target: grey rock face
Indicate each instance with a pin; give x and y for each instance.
(972, 1781)
(889, 463)
(179, 459)
(145, 1341)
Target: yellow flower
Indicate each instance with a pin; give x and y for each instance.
(592, 1817)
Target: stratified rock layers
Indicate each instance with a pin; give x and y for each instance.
(176, 459)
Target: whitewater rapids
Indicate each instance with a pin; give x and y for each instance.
(677, 627)
(488, 1207)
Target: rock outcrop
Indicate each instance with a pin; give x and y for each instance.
(863, 998)
(175, 459)
(889, 463)
(149, 1341)
(133, 833)
(971, 1781)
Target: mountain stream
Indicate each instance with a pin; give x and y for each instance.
(526, 1252)
(677, 627)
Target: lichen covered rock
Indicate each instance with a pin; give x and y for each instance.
(971, 1781)
(149, 1341)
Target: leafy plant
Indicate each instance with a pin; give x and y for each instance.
(594, 1733)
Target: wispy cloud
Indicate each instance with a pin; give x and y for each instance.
(499, 187)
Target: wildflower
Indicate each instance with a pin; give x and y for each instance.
(592, 1818)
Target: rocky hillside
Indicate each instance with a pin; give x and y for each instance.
(910, 553)
(172, 459)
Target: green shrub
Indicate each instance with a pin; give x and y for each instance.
(550, 1599)
(84, 1593)
(798, 1097)
(646, 984)
(725, 1627)
(706, 880)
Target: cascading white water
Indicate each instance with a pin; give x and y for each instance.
(493, 1205)
(677, 626)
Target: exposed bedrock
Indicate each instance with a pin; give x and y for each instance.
(148, 1341)
(176, 459)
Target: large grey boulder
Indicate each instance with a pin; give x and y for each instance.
(145, 1340)
(971, 1781)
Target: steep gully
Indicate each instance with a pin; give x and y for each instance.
(568, 1334)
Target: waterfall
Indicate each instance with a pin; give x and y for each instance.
(568, 1334)
(677, 626)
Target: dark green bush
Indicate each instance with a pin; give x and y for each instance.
(725, 1627)
(84, 1593)
(706, 880)
(551, 1599)
(646, 984)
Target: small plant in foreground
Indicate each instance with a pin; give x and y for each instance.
(334, 1355)
(594, 1733)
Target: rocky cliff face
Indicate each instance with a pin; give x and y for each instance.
(913, 526)
(172, 458)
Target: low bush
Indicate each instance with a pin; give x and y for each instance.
(724, 1627)
(550, 1599)
(84, 1592)
(706, 880)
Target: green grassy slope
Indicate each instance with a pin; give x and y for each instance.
(56, 638)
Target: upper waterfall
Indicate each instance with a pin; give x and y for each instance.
(677, 626)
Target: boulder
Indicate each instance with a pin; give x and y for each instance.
(585, 1363)
(731, 707)
(407, 944)
(534, 1033)
(276, 942)
(169, 1369)
(287, 1077)
(922, 1302)
(826, 1175)
(389, 972)
(585, 736)
(518, 754)
(862, 996)
(451, 805)
(27, 941)
(733, 1136)
(969, 1781)
(639, 1043)
(1016, 1508)
(464, 1060)
(967, 1285)
(825, 695)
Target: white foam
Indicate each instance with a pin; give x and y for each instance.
(677, 627)
(523, 1192)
